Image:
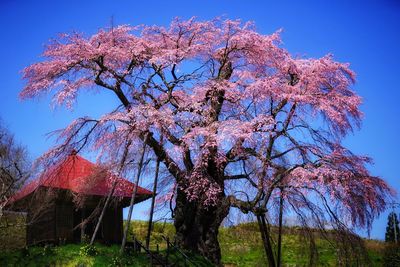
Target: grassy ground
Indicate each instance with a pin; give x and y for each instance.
(69, 255)
(240, 246)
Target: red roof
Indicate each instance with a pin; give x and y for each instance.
(81, 176)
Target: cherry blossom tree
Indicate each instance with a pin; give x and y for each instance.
(240, 117)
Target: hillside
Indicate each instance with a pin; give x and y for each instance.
(240, 245)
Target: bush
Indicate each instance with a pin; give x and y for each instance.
(48, 250)
(88, 250)
(118, 261)
(391, 255)
(129, 251)
(85, 239)
(25, 252)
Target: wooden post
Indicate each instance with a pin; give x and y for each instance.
(153, 198)
(132, 203)
(279, 256)
(114, 184)
(166, 258)
(82, 225)
(266, 240)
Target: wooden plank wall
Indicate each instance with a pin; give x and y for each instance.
(64, 222)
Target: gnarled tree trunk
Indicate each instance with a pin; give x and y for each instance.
(197, 226)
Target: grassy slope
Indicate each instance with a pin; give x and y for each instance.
(240, 245)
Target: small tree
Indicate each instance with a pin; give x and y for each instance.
(392, 228)
(14, 165)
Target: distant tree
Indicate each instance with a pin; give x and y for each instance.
(241, 119)
(392, 228)
(14, 165)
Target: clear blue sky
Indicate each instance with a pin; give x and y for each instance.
(364, 33)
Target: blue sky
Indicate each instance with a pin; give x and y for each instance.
(364, 33)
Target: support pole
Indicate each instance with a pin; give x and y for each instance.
(108, 199)
(152, 205)
(132, 203)
(279, 256)
(83, 226)
(266, 240)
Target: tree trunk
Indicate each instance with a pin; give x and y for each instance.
(197, 226)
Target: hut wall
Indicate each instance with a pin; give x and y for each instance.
(112, 225)
(41, 226)
(52, 216)
(49, 219)
(64, 222)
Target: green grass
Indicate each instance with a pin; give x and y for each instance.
(68, 255)
(240, 246)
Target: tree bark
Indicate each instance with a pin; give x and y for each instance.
(197, 226)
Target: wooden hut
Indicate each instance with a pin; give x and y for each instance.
(53, 212)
